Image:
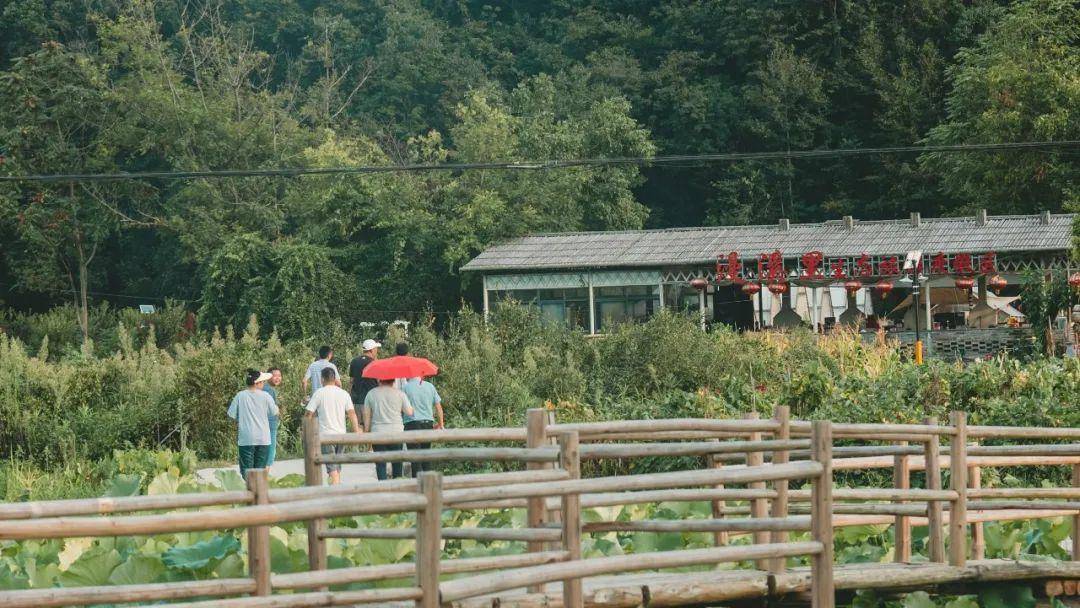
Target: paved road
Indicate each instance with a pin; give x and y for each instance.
(350, 473)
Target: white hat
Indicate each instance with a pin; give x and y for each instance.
(263, 377)
(370, 344)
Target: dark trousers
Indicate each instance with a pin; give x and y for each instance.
(253, 457)
(419, 425)
(380, 467)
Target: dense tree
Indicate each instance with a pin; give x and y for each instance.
(58, 118)
(1018, 83)
(189, 86)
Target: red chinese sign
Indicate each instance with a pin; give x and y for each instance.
(812, 263)
(961, 263)
(939, 264)
(863, 266)
(838, 269)
(729, 269)
(889, 266)
(814, 266)
(770, 266)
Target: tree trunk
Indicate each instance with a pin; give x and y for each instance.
(82, 302)
(82, 305)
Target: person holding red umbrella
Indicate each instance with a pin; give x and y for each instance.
(384, 411)
(386, 406)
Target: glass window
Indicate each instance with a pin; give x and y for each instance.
(616, 305)
(524, 296)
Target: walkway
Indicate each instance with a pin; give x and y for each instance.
(350, 473)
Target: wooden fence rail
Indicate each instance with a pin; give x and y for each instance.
(770, 453)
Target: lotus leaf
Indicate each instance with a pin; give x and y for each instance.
(137, 570)
(93, 568)
(202, 554)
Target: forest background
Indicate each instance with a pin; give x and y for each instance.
(106, 86)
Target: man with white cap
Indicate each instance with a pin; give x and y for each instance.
(360, 385)
(252, 408)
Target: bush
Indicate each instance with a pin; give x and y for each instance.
(84, 404)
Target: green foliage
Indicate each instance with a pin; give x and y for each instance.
(147, 86)
(294, 283)
(1015, 84)
(202, 556)
(1045, 299)
(492, 372)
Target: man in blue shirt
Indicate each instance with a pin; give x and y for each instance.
(252, 408)
(313, 375)
(426, 405)
(271, 387)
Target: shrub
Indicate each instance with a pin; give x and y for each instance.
(84, 404)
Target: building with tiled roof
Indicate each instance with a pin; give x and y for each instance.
(593, 279)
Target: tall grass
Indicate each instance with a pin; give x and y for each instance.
(59, 409)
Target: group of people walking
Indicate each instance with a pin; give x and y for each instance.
(395, 405)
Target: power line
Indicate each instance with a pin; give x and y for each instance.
(547, 164)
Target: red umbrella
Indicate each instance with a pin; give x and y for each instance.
(393, 368)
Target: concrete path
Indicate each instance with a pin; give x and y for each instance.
(350, 473)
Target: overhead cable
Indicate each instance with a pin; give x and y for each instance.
(533, 165)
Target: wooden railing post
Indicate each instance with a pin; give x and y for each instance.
(821, 519)
(536, 420)
(759, 507)
(958, 483)
(902, 532)
(934, 519)
(429, 540)
(259, 536)
(719, 505)
(570, 460)
(313, 476)
(782, 415)
(978, 534)
(1076, 518)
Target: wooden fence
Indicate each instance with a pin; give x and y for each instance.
(749, 460)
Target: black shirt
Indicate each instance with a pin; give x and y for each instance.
(360, 385)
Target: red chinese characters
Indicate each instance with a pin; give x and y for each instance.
(889, 266)
(776, 266)
(729, 269)
(812, 262)
(939, 264)
(961, 263)
(838, 269)
(988, 263)
(863, 266)
(770, 266)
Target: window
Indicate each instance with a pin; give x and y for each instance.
(616, 305)
(523, 296)
(570, 306)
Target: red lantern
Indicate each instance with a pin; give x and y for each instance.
(996, 283)
(964, 283)
(853, 286)
(884, 286)
(751, 289)
(1074, 280)
(779, 287)
(699, 284)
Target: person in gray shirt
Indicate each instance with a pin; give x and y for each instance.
(384, 407)
(252, 408)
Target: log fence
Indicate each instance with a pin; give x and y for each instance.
(749, 462)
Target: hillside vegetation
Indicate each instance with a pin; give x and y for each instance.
(156, 85)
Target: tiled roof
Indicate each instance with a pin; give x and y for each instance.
(691, 246)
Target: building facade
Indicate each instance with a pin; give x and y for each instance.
(967, 270)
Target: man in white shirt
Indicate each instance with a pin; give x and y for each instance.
(332, 404)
